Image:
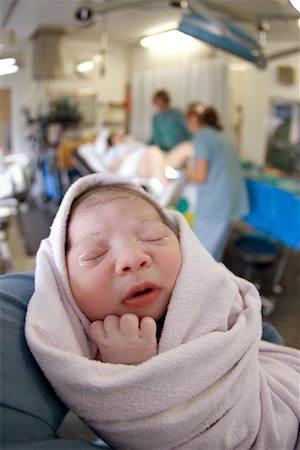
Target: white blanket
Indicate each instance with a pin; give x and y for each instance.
(213, 385)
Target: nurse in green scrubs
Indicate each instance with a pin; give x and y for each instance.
(168, 124)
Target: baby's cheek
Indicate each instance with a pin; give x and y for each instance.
(176, 260)
(69, 263)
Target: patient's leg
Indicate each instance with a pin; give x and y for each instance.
(152, 164)
(154, 160)
(179, 155)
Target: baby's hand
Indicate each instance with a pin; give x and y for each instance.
(125, 339)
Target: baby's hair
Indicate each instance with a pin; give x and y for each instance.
(92, 197)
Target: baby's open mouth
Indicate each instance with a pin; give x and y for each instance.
(142, 295)
(143, 292)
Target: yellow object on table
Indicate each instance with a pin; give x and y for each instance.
(66, 149)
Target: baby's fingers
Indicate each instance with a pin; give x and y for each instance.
(148, 329)
(129, 325)
(111, 325)
(102, 329)
(97, 332)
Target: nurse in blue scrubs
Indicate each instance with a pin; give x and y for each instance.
(221, 190)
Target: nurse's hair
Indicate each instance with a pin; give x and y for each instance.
(206, 115)
(161, 95)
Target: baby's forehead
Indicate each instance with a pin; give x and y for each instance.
(116, 198)
(107, 198)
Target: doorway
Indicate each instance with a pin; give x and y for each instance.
(5, 120)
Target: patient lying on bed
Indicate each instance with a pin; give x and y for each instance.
(129, 157)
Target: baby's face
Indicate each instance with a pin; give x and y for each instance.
(122, 258)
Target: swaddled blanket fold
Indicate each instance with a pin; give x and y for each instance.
(213, 385)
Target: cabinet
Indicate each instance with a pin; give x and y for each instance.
(114, 116)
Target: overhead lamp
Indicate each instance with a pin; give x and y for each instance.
(296, 4)
(4, 62)
(8, 66)
(168, 41)
(85, 66)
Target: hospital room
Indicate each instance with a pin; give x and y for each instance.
(150, 224)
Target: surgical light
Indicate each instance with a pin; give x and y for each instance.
(224, 35)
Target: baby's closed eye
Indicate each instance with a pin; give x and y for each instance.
(153, 233)
(92, 257)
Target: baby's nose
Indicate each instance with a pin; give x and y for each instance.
(132, 260)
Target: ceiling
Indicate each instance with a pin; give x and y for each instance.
(128, 21)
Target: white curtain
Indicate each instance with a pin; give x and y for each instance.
(201, 80)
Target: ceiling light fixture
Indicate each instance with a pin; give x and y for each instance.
(8, 66)
(85, 66)
(296, 4)
(168, 41)
(4, 62)
(8, 70)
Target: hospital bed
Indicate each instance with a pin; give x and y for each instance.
(87, 162)
(88, 158)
